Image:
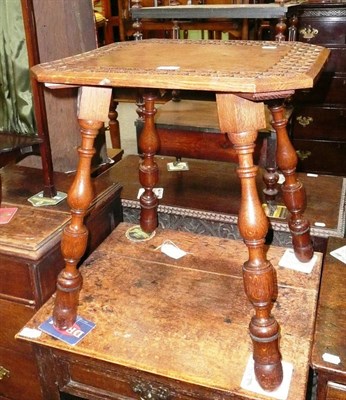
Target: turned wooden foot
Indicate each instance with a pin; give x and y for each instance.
(241, 119)
(148, 169)
(292, 189)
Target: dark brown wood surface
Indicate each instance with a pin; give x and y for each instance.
(330, 331)
(182, 320)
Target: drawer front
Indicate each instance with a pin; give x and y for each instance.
(15, 277)
(323, 25)
(91, 378)
(337, 60)
(14, 316)
(21, 382)
(319, 123)
(336, 391)
(102, 380)
(329, 89)
(321, 157)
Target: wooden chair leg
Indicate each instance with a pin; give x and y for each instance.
(241, 119)
(148, 169)
(93, 110)
(114, 129)
(293, 190)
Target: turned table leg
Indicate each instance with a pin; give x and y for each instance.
(241, 119)
(93, 110)
(293, 190)
(148, 170)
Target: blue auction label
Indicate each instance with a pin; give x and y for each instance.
(71, 335)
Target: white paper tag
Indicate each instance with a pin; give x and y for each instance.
(312, 175)
(340, 254)
(321, 224)
(289, 260)
(281, 179)
(158, 192)
(331, 358)
(168, 68)
(177, 166)
(30, 333)
(172, 250)
(250, 383)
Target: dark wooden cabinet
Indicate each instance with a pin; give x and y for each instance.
(319, 120)
(30, 260)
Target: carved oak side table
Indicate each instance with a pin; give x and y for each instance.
(243, 74)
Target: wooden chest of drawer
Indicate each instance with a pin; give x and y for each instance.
(319, 123)
(30, 260)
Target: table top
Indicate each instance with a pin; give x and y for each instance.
(14, 141)
(183, 193)
(193, 310)
(227, 66)
(330, 331)
(271, 10)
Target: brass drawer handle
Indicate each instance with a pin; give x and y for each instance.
(303, 154)
(304, 121)
(147, 391)
(4, 373)
(309, 32)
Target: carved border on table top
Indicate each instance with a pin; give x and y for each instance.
(298, 59)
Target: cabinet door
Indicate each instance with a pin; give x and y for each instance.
(336, 391)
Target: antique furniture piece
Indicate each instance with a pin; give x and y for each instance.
(190, 128)
(187, 206)
(164, 327)
(319, 129)
(275, 71)
(30, 260)
(206, 16)
(330, 330)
